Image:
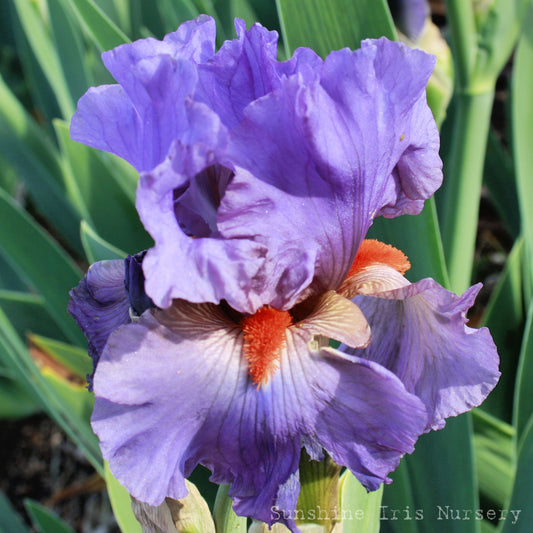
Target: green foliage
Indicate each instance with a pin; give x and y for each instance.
(23, 234)
(523, 484)
(326, 26)
(103, 31)
(36, 161)
(121, 503)
(506, 300)
(45, 520)
(360, 510)
(495, 458)
(10, 521)
(522, 127)
(96, 249)
(481, 46)
(15, 400)
(225, 518)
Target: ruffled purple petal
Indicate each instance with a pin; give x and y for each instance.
(249, 207)
(197, 267)
(242, 71)
(155, 428)
(419, 333)
(100, 304)
(193, 41)
(297, 146)
(106, 119)
(370, 422)
(319, 158)
(138, 119)
(276, 185)
(245, 69)
(383, 99)
(138, 127)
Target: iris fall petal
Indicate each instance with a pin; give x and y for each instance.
(249, 437)
(419, 332)
(100, 304)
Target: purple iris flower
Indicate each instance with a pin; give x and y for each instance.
(259, 180)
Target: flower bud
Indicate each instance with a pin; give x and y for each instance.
(189, 515)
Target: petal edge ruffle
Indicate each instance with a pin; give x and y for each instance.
(249, 437)
(420, 334)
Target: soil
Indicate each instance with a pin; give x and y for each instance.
(40, 463)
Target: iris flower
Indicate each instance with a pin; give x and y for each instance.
(259, 180)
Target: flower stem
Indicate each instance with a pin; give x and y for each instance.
(463, 172)
(461, 19)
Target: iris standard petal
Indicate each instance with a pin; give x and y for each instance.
(309, 158)
(277, 185)
(245, 69)
(201, 267)
(154, 428)
(241, 71)
(100, 304)
(302, 148)
(193, 41)
(138, 119)
(250, 209)
(106, 119)
(382, 97)
(419, 332)
(140, 126)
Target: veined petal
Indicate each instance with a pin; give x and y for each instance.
(247, 436)
(194, 41)
(371, 421)
(152, 445)
(100, 304)
(245, 69)
(382, 97)
(250, 209)
(304, 162)
(372, 280)
(138, 119)
(340, 319)
(242, 71)
(419, 332)
(106, 119)
(138, 127)
(277, 185)
(180, 265)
